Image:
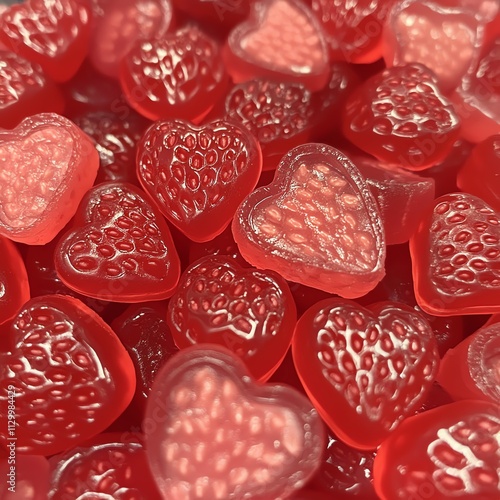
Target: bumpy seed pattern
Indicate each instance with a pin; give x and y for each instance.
(466, 235)
(270, 110)
(364, 357)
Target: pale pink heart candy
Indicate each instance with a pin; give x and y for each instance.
(213, 432)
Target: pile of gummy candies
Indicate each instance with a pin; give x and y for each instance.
(250, 249)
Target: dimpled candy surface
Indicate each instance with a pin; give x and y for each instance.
(455, 253)
(250, 312)
(46, 165)
(120, 248)
(218, 434)
(198, 175)
(449, 452)
(317, 224)
(72, 376)
(282, 40)
(366, 369)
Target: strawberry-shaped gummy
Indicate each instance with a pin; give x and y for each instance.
(401, 196)
(24, 90)
(115, 139)
(281, 40)
(455, 253)
(316, 224)
(52, 33)
(120, 248)
(480, 174)
(216, 433)
(68, 372)
(123, 23)
(450, 452)
(365, 369)
(108, 466)
(401, 117)
(250, 312)
(346, 472)
(471, 370)
(198, 175)
(46, 165)
(353, 28)
(143, 330)
(180, 75)
(14, 285)
(279, 114)
(449, 51)
(477, 99)
(26, 477)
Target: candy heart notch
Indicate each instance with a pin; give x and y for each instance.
(365, 369)
(212, 432)
(316, 224)
(250, 312)
(456, 257)
(282, 40)
(65, 372)
(198, 175)
(46, 165)
(120, 249)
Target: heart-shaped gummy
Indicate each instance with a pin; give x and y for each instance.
(46, 165)
(456, 257)
(317, 224)
(65, 372)
(120, 248)
(282, 40)
(53, 33)
(366, 369)
(198, 175)
(212, 432)
(248, 311)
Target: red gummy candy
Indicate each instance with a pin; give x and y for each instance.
(250, 312)
(455, 253)
(120, 248)
(115, 140)
(48, 164)
(122, 24)
(365, 369)
(52, 33)
(198, 175)
(108, 466)
(69, 372)
(449, 51)
(470, 370)
(401, 197)
(211, 429)
(14, 285)
(317, 224)
(281, 40)
(26, 477)
(480, 174)
(401, 117)
(353, 28)
(25, 90)
(278, 114)
(451, 451)
(180, 75)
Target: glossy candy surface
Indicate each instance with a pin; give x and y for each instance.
(250, 312)
(48, 164)
(120, 248)
(198, 175)
(316, 223)
(217, 431)
(69, 372)
(366, 369)
(30, 480)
